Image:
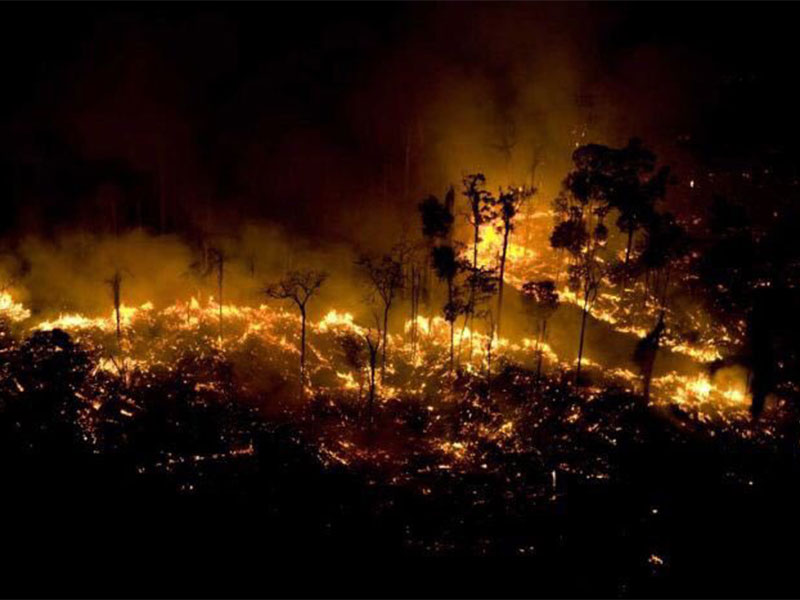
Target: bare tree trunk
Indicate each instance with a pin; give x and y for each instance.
(385, 334)
(502, 278)
(415, 296)
(471, 315)
(116, 285)
(371, 405)
(414, 308)
(583, 331)
(452, 335)
(302, 346)
(452, 324)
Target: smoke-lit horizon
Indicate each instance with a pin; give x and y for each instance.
(192, 120)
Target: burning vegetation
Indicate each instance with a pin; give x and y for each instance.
(564, 355)
(424, 390)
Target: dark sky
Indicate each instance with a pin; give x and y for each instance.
(324, 117)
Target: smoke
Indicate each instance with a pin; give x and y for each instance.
(159, 135)
(334, 127)
(72, 272)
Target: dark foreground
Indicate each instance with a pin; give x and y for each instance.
(276, 523)
(196, 496)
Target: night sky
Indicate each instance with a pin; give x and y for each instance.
(316, 113)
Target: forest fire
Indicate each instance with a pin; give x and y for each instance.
(274, 327)
(498, 297)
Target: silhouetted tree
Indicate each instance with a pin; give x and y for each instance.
(541, 300)
(115, 283)
(372, 338)
(581, 208)
(299, 287)
(409, 256)
(445, 264)
(480, 212)
(437, 217)
(645, 355)
(415, 277)
(385, 277)
(634, 187)
(482, 286)
(625, 179)
(508, 204)
(748, 272)
(218, 259)
(437, 227)
(488, 316)
(665, 243)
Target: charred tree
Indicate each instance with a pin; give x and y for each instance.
(541, 300)
(385, 278)
(115, 283)
(480, 212)
(508, 204)
(373, 341)
(299, 287)
(581, 208)
(218, 259)
(645, 355)
(445, 265)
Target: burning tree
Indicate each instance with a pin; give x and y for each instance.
(541, 299)
(437, 225)
(445, 264)
(481, 211)
(665, 244)
(299, 287)
(385, 277)
(352, 346)
(484, 281)
(116, 283)
(415, 277)
(625, 179)
(437, 217)
(645, 355)
(508, 204)
(372, 338)
(633, 186)
(218, 258)
(482, 286)
(748, 272)
(412, 258)
(581, 208)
